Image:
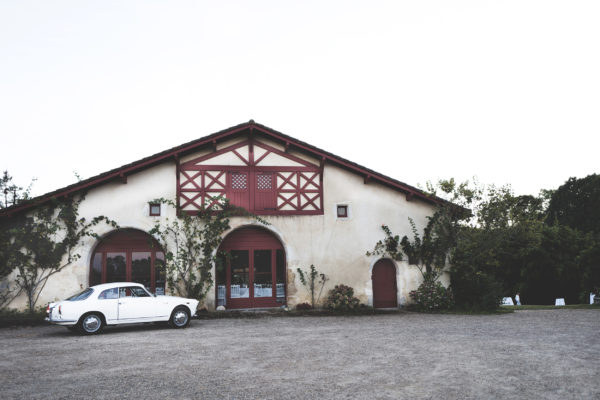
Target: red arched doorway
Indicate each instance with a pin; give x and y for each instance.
(253, 273)
(129, 255)
(384, 284)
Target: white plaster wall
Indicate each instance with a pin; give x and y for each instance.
(337, 247)
(127, 204)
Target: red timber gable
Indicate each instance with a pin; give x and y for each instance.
(255, 174)
(269, 175)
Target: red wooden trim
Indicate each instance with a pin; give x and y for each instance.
(283, 154)
(248, 168)
(178, 188)
(188, 148)
(235, 146)
(123, 178)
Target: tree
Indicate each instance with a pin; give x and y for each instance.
(190, 242)
(311, 280)
(11, 193)
(429, 252)
(43, 243)
(576, 204)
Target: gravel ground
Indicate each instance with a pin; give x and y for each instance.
(525, 355)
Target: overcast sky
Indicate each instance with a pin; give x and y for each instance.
(508, 91)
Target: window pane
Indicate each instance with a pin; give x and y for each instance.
(159, 265)
(116, 267)
(240, 274)
(96, 273)
(109, 294)
(221, 277)
(280, 275)
(263, 276)
(140, 268)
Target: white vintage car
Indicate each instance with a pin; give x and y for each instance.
(119, 303)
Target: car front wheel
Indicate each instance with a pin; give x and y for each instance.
(90, 324)
(180, 318)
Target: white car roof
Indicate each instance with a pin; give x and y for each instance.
(110, 285)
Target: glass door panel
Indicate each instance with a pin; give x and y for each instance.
(263, 275)
(159, 273)
(240, 274)
(141, 268)
(221, 278)
(280, 276)
(96, 274)
(116, 267)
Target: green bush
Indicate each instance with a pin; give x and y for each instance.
(476, 291)
(432, 296)
(341, 298)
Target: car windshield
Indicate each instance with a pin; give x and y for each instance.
(81, 295)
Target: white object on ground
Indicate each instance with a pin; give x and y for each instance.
(559, 302)
(507, 301)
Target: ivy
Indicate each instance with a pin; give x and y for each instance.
(42, 243)
(190, 243)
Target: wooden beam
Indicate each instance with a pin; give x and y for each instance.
(410, 196)
(287, 147)
(367, 179)
(123, 178)
(322, 164)
(214, 145)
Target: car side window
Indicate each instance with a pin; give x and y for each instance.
(133, 291)
(109, 294)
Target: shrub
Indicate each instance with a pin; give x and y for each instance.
(475, 290)
(303, 306)
(341, 298)
(432, 296)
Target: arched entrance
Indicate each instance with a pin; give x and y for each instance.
(129, 255)
(253, 273)
(384, 284)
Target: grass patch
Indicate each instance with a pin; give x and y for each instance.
(550, 307)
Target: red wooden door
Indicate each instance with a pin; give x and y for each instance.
(384, 285)
(255, 270)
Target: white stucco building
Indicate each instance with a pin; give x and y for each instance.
(322, 210)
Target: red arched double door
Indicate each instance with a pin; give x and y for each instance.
(384, 284)
(253, 273)
(129, 255)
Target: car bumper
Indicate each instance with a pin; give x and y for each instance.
(67, 322)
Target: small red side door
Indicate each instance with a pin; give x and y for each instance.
(384, 285)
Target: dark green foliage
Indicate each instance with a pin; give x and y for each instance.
(473, 273)
(341, 298)
(11, 193)
(577, 204)
(432, 296)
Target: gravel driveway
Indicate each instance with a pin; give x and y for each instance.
(529, 354)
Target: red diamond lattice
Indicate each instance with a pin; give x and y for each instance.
(264, 181)
(239, 181)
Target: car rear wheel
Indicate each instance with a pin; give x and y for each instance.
(90, 324)
(180, 317)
